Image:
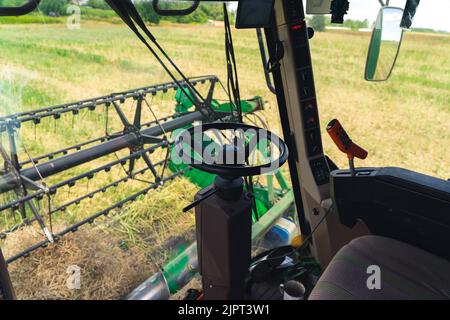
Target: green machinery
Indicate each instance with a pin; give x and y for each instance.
(272, 202)
(265, 195)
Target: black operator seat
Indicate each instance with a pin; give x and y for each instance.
(408, 215)
(406, 272)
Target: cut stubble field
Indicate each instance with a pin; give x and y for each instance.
(404, 122)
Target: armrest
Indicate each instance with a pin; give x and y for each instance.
(396, 203)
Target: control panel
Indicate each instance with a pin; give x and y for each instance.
(299, 40)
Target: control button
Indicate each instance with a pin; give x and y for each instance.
(293, 10)
(313, 142)
(299, 33)
(320, 171)
(302, 57)
(305, 84)
(310, 114)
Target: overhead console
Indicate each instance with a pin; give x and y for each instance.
(396, 203)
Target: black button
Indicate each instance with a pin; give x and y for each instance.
(320, 171)
(313, 142)
(305, 84)
(310, 114)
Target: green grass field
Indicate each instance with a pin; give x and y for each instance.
(403, 122)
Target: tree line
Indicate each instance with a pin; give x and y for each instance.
(320, 22)
(205, 12)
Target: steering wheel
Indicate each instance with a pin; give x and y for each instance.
(231, 149)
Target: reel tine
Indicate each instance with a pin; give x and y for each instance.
(151, 167)
(138, 114)
(131, 166)
(122, 116)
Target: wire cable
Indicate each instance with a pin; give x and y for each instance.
(232, 73)
(126, 12)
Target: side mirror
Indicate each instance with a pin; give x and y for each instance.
(175, 12)
(385, 44)
(19, 8)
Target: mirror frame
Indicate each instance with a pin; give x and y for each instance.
(370, 48)
(31, 5)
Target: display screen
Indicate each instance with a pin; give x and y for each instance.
(254, 13)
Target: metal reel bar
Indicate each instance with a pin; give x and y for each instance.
(91, 219)
(78, 200)
(89, 174)
(80, 146)
(136, 137)
(37, 115)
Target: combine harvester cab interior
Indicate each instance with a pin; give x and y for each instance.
(318, 233)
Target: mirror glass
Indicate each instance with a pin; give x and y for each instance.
(385, 44)
(318, 6)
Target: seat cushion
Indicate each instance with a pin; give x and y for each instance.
(406, 272)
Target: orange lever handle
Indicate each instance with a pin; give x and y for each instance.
(343, 141)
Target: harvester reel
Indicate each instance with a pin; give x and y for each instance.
(33, 181)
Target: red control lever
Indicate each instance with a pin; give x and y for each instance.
(343, 141)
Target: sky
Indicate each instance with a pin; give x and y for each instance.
(430, 13)
(434, 14)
